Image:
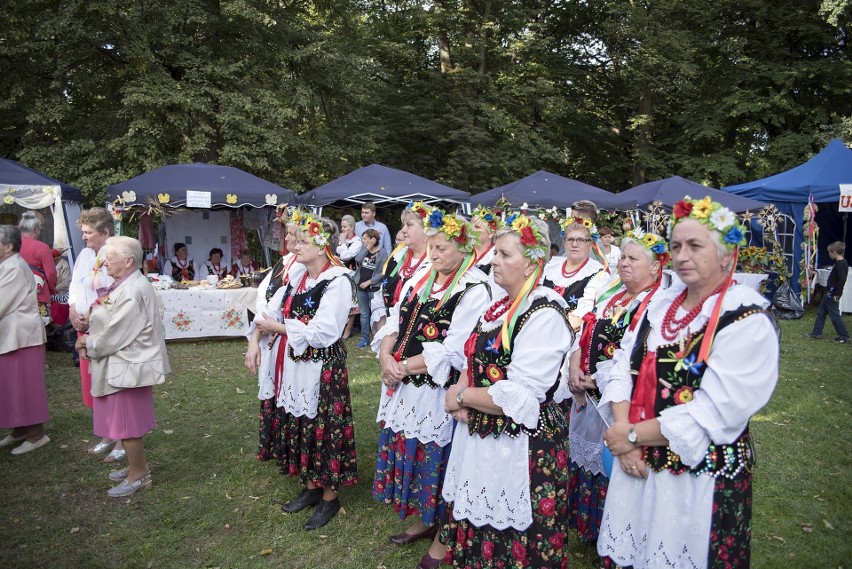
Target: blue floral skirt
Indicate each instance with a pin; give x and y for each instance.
(586, 498)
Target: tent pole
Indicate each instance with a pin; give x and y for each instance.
(845, 222)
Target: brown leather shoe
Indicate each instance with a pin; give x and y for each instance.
(406, 538)
(429, 562)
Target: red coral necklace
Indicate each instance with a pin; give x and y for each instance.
(672, 326)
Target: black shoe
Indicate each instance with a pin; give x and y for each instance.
(814, 336)
(305, 499)
(839, 340)
(323, 513)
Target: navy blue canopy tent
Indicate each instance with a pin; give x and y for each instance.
(789, 191)
(671, 190)
(229, 187)
(23, 187)
(546, 190)
(384, 187)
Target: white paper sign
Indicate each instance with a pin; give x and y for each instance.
(845, 197)
(197, 199)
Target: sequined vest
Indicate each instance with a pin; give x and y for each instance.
(420, 323)
(571, 293)
(303, 308)
(487, 365)
(678, 376)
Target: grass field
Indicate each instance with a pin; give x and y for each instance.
(213, 505)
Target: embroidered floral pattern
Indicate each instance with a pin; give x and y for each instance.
(182, 321)
(270, 430)
(232, 318)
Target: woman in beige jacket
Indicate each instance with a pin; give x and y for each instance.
(127, 348)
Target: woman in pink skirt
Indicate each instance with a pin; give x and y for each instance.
(126, 346)
(23, 402)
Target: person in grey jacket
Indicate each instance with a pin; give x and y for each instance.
(368, 276)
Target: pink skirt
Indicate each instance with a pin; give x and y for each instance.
(126, 414)
(86, 380)
(23, 399)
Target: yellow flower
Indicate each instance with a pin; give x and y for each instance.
(520, 222)
(587, 223)
(702, 208)
(649, 240)
(451, 226)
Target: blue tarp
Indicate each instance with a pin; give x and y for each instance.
(16, 174)
(821, 177)
(671, 190)
(383, 186)
(546, 190)
(221, 181)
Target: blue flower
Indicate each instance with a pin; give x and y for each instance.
(510, 218)
(309, 302)
(436, 219)
(489, 346)
(734, 236)
(488, 217)
(659, 248)
(572, 300)
(689, 364)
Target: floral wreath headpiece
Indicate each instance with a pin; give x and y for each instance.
(584, 221)
(491, 216)
(653, 242)
(530, 235)
(312, 226)
(455, 228)
(420, 209)
(712, 215)
(283, 213)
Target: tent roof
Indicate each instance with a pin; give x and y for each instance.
(16, 174)
(546, 190)
(820, 176)
(671, 190)
(382, 186)
(221, 181)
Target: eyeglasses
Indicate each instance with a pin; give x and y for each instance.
(576, 240)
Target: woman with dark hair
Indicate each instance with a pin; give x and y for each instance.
(304, 325)
(368, 275)
(181, 267)
(23, 399)
(214, 265)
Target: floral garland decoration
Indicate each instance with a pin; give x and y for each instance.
(585, 222)
(552, 214)
(491, 216)
(652, 242)
(312, 226)
(712, 215)
(455, 228)
(420, 209)
(529, 234)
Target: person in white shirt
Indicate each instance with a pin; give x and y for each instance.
(610, 251)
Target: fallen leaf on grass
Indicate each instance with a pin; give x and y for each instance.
(255, 497)
(323, 536)
(827, 524)
(228, 496)
(381, 567)
(227, 526)
(240, 391)
(343, 510)
(74, 530)
(578, 554)
(168, 431)
(63, 446)
(779, 538)
(266, 551)
(807, 528)
(819, 498)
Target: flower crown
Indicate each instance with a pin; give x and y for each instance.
(420, 209)
(312, 226)
(584, 221)
(714, 216)
(532, 240)
(489, 216)
(454, 227)
(652, 242)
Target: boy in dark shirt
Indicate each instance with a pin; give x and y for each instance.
(830, 303)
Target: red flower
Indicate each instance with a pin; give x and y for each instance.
(335, 466)
(683, 395)
(527, 236)
(430, 331)
(494, 372)
(609, 350)
(487, 550)
(326, 376)
(682, 209)
(293, 470)
(305, 319)
(419, 454)
(319, 433)
(561, 459)
(557, 540)
(547, 507)
(313, 229)
(349, 431)
(338, 408)
(303, 459)
(519, 552)
(462, 238)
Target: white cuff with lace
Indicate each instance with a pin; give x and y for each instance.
(517, 403)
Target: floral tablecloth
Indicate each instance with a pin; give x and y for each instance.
(204, 313)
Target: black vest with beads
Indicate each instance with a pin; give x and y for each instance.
(303, 308)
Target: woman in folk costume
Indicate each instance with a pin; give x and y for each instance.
(403, 262)
(181, 267)
(269, 416)
(214, 266)
(618, 307)
(305, 324)
(421, 356)
(507, 477)
(706, 352)
(486, 222)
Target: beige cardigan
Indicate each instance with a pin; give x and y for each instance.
(127, 340)
(20, 324)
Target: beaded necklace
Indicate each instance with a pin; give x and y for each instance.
(407, 269)
(447, 282)
(497, 309)
(672, 326)
(570, 274)
(615, 308)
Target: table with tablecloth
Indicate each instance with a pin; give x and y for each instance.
(207, 312)
(846, 298)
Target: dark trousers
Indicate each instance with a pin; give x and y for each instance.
(830, 307)
(364, 298)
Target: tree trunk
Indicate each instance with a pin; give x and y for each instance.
(443, 39)
(483, 36)
(642, 142)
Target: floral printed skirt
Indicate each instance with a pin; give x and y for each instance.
(410, 475)
(586, 498)
(322, 450)
(542, 544)
(270, 430)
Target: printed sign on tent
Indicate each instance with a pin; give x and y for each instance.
(845, 197)
(197, 199)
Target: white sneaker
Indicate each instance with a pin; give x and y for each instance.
(28, 446)
(10, 440)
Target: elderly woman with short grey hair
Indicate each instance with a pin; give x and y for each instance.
(23, 402)
(126, 345)
(39, 257)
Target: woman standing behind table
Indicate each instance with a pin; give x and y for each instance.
(88, 276)
(214, 266)
(618, 306)
(181, 267)
(23, 400)
(421, 356)
(507, 476)
(310, 382)
(707, 359)
(402, 264)
(369, 261)
(126, 344)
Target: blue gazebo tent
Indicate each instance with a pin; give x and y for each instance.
(669, 191)
(789, 191)
(546, 190)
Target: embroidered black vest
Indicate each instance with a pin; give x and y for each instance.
(678, 377)
(488, 365)
(420, 323)
(303, 308)
(277, 279)
(177, 271)
(572, 293)
(390, 283)
(485, 268)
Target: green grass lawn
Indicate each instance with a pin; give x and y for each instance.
(213, 505)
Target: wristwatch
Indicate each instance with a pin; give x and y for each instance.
(632, 437)
(405, 366)
(460, 397)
